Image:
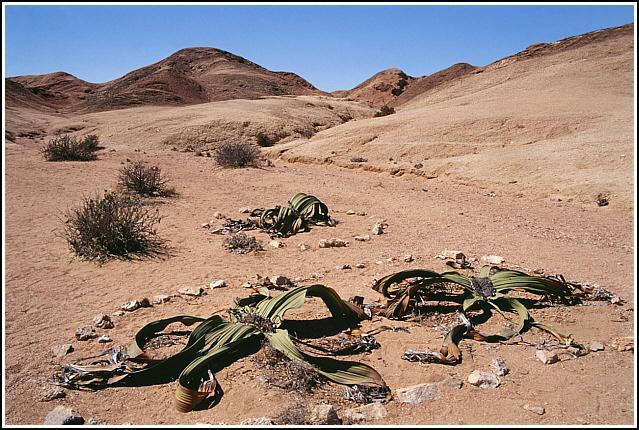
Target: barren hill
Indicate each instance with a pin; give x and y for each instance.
(190, 76)
(380, 89)
(556, 120)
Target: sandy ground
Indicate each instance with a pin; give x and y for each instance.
(48, 293)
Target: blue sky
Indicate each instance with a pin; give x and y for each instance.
(333, 47)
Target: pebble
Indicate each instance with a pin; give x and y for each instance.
(244, 210)
(418, 393)
(363, 238)
(218, 215)
(493, 259)
(276, 244)
(483, 379)
(96, 422)
(62, 350)
(282, 281)
(447, 254)
(332, 243)
(53, 393)
(616, 300)
(539, 410)
(117, 313)
(206, 225)
(624, 344)
(360, 266)
(597, 346)
(343, 267)
(372, 411)
(62, 415)
(379, 227)
(350, 212)
(454, 383)
(409, 258)
(103, 321)
(303, 246)
(220, 283)
(547, 357)
(85, 333)
(161, 298)
(324, 414)
(104, 339)
(499, 367)
(131, 306)
(195, 291)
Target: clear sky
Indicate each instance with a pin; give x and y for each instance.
(333, 47)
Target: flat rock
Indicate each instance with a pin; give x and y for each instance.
(547, 357)
(62, 350)
(597, 346)
(130, 306)
(418, 393)
(363, 238)
(103, 321)
(499, 367)
(448, 254)
(194, 291)
(161, 298)
(454, 383)
(360, 265)
(261, 421)
(62, 415)
(493, 259)
(52, 393)
(539, 410)
(220, 283)
(324, 414)
(370, 412)
(483, 379)
(104, 339)
(85, 333)
(350, 212)
(332, 243)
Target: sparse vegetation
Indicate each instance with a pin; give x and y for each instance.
(112, 226)
(235, 155)
(384, 110)
(68, 148)
(144, 180)
(241, 243)
(295, 413)
(303, 210)
(263, 140)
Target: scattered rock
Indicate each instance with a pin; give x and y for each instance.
(103, 321)
(195, 291)
(624, 344)
(206, 225)
(332, 243)
(85, 333)
(360, 213)
(493, 259)
(95, 422)
(597, 346)
(363, 238)
(261, 421)
(324, 414)
(418, 166)
(161, 298)
(117, 313)
(276, 244)
(483, 379)
(409, 258)
(52, 393)
(350, 212)
(360, 266)
(244, 210)
(449, 255)
(344, 267)
(616, 300)
(547, 357)
(282, 281)
(218, 215)
(539, 410)
(130, 306)
(370, 412)
(499, 366)
(379, 227)
(145, 302)
(62, 415)
(220, 283)
(104, 339)
(303, 246)
(62, 350)
(577, 352)
(418, 393)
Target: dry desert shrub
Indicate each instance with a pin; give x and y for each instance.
(236, 155)
(67, 148)
(384, 110)
(112, 226)
(241, 243)
(139, 179)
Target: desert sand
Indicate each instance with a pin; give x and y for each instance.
(512, 160)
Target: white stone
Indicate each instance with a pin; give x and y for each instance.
(276, 244)
(220, 283)
(409, 258)
(483, 379)
(547, 357)
(161, 298)
(597, 346)
(218, 215)
(499, 366)
(244, 210)
(493, 259)
(62, 415)
(62, 350)
(370, 412)
(103, 321)
(363, 238)
(418, 393)
(324, 414)
(360, 265)
(332, 243)
(303, 246)
(195, 291)
(104, 339)
(539, 410)
(131, 306)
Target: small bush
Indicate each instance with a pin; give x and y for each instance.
(236, 155)
(67, 148)
(145, 181)
(263, 140)
(295, 413)
(241, 243)
(384, 110)
(112, 226)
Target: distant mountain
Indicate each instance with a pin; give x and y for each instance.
(380, 89)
